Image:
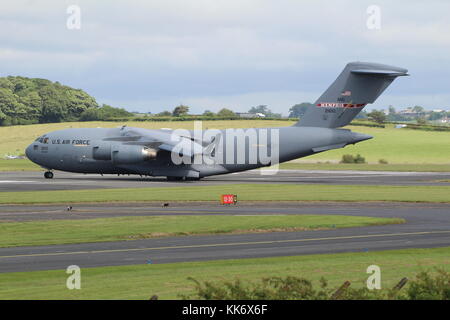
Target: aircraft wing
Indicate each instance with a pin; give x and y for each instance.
(159, 139)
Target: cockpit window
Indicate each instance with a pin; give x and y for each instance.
(42, 139)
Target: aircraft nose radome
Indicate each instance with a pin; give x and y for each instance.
(28, 151)
(358, 137)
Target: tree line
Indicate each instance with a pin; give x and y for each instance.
(33, 100)
(295, 111)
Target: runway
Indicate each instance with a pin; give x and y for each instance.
(30, 181)
(427, 226)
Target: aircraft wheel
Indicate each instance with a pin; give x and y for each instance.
(192, 179)
(48, 175)
(175, 178)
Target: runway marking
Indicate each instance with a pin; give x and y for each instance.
(31, 212)
(17, 181)
(314, 177)
(259, 215)
(226, 244)
(356, 172)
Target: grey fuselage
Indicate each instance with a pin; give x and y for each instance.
(156, 152)
(89, 150)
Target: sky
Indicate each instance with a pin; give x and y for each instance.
(150, 56)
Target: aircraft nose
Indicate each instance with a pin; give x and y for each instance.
(28, 151)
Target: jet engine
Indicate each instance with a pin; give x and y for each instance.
(127, 154)
(102, 151)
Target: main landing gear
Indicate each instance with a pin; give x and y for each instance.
(175, 178)
(182, 179)
(48, 175)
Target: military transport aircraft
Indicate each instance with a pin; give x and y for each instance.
(191, 155)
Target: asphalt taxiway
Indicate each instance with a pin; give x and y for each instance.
(427, 225)
(33, 180)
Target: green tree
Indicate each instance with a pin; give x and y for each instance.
(260, 109)
(78, 101)
(8, 102)
(392, 110)
(91, 115)
(34, 103)
(226, 113)
(108, 112)
(418, 109)
(2, 117)
(377, 116)
(164, 114)
(52, 113)
(180, 110)
(298, 110)
(54, 105)
(6, 84)
(29, 100)
(209, 113)
(421, 121)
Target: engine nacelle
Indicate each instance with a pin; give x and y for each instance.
(102, 151)
(127, 154)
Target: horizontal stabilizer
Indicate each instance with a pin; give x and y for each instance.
(330, 147)
(389, 73)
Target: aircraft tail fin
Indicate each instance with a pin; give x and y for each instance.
(358, 84)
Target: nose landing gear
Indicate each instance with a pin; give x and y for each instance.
(48, 175)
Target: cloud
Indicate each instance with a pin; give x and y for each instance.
(138, 54)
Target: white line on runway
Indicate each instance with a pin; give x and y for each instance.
(228, 244)
(315, 177)
(259, 215)
(17, 181)
(342, 172)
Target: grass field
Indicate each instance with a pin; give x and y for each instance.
(27, 165)
(405, 150)
(168, 281)
(366, 167)
(18, 165)
(397, 146)
(132, 228)
(245, 192)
